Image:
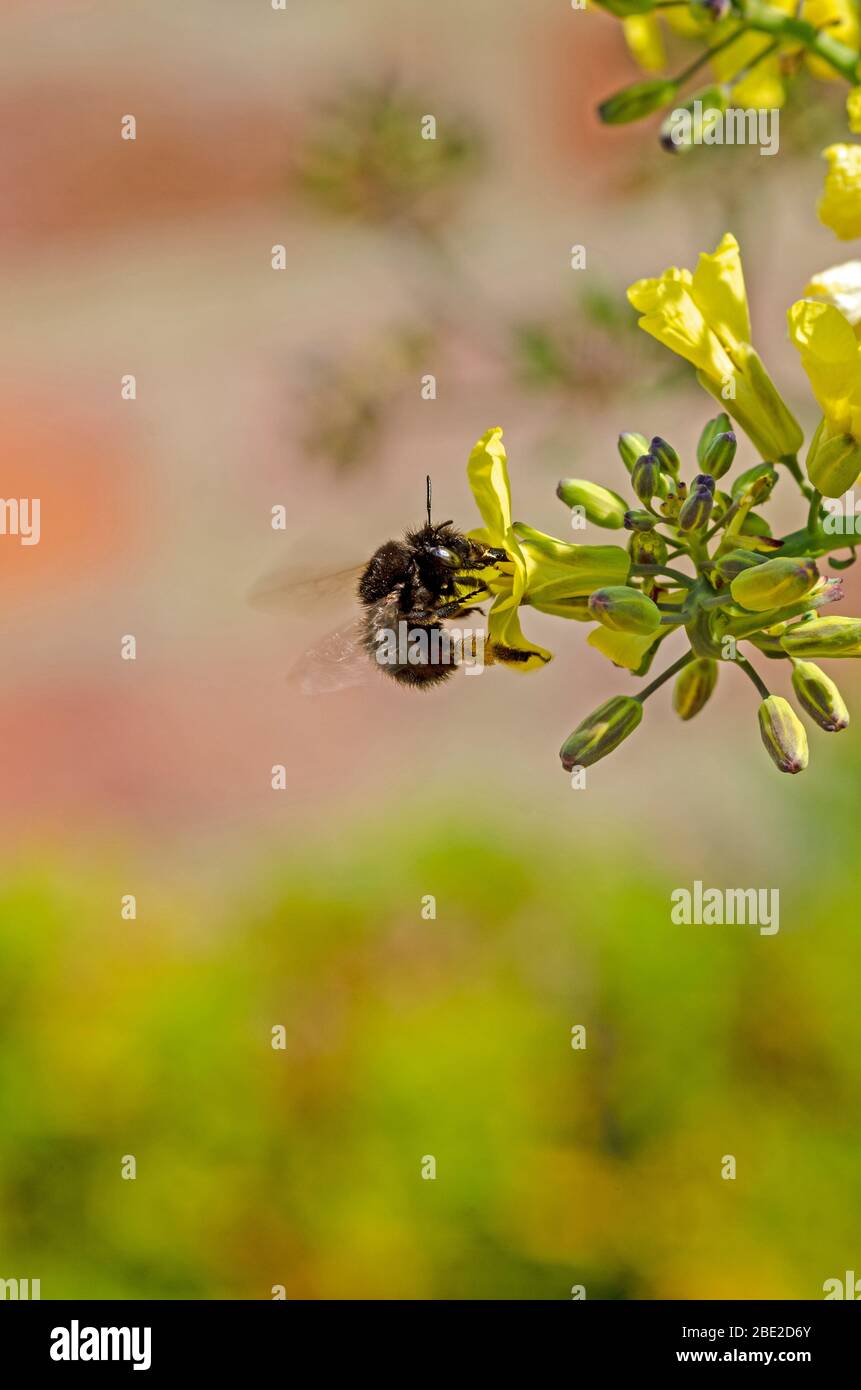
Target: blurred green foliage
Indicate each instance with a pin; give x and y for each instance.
(451, 1037)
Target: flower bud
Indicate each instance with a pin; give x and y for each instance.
(647, 548)
(720, 454)
(637, 101)
(756, 526)
(704, 480)
(689, 124)
(819, 695)
(732, 564)
(696, 510)
(639, 521)
(694, 685)
(783, 734)
(601, 732)
(645, 477)
(666, 456)
(775, 583)
(835, 465)
(751, 476)
(600, 505)
(632, 447)
(719, 425)
(625, 609)
(823, 637)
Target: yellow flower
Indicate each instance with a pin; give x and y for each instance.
(546, 573)
(762, 86)
(840, 204)
(853, 110)
(704, 318)
(840, 285)
(831, 356)
(837, 18)
(760, 83)
(645, 40)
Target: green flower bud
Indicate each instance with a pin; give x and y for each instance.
(694, 685)
(775, 583)
(696, 510)
(719, 425)
(601, 506)
(682, 132)
(835, 465)
(820, 697)
(637, 101)
(823, 637)
(720, 454)
(639, 521)
(735, 562)
(625, 609)
(645, 477)
(632, 447)
(755, 525)
(647, 548)
(783, 734)
(601, 732)
(750, 476)
(666, 456)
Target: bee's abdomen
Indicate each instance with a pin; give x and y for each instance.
(415, 654)
(388, 567)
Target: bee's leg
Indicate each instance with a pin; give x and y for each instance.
(455, 607)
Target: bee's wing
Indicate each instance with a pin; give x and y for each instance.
(336, 662)
(292, 587)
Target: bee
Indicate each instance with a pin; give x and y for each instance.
(405, 592)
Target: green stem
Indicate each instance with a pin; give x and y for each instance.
(814, 513)
(684, 579)
(749, 671)
(670, 671)
(704, 57)
(765, 19)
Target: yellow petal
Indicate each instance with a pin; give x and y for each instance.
(761, 87)
(718, 289)
(853, 110)
(840, 285)
(670, 314)
(487, 471)
(840, 204)
(831, 356)
(644, 39)
(622, 648)
(506, 640)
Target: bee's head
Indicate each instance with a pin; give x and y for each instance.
(446, 550)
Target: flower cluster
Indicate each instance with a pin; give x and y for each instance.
(700, 558)
(750, 47)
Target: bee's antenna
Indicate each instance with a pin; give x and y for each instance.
(429, 499)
